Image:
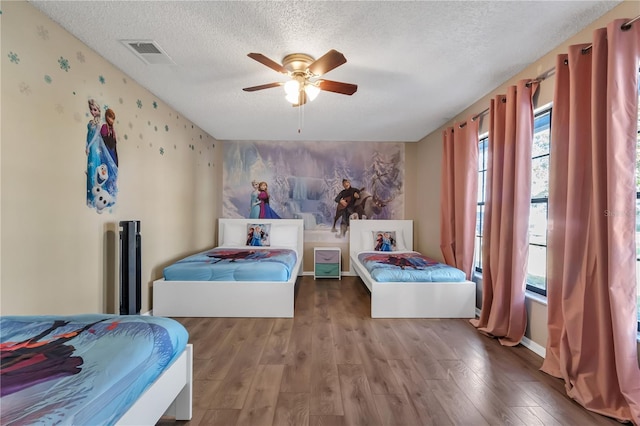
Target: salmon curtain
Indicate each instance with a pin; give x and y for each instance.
(458, 195)
(506, 218)
(591, 276)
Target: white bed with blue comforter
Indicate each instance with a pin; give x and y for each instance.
(236, 278)
(404, 283)
(93, 369)
(234, 264)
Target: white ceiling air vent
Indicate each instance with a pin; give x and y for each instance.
(148, 51)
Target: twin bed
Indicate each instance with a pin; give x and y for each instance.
(403, 283)
(94, 369)
(225, 281)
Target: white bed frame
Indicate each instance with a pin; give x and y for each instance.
(170, 395)
(408, 299)
(258, 299)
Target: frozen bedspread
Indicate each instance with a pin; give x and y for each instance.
(408, 267)
(82, 369)
(234, 264)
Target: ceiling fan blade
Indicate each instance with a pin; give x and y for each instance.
(268, 62)
(261, 87)
(330, 60)
(337, 87)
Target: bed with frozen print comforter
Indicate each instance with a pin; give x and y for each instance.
(86, 369)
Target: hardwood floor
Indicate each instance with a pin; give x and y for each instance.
(333, 365)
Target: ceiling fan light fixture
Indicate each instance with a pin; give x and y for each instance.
(312, 90)
(291, 88)
(293, 97)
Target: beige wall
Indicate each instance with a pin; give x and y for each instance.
(430, 154)
(57, 255)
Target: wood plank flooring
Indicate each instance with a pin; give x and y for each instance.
(333, 365)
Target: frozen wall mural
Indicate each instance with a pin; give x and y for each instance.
(305, 177)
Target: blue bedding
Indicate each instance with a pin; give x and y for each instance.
(234, 264)
(408, 267)
(82, 369)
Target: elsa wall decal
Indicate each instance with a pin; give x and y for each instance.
(102, 169)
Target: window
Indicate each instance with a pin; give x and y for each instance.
(482, 182)
(537, 261)
(638, 208)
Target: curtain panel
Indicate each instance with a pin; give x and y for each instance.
(459, 194)
(591, 273)
(506, 219)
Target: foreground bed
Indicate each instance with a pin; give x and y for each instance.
(416, 299)
(94, 369)
(250, 296)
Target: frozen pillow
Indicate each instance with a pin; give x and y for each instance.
(258, 234)
(284, 236)
(384, 240)
(234, 235)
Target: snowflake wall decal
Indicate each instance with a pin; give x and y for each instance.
(24, 88)
(47, 79)
(64, 64)
(139, 103)
(43, 33)
(166, 127)
(13, 57)
(101, 79)
(155, 105)
(161, 151)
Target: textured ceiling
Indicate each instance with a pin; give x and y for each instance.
(416, 64)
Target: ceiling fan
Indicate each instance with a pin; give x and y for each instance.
(304, 72)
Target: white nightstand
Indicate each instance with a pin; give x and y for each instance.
(327, 262)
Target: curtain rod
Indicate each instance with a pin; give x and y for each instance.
(548, 73)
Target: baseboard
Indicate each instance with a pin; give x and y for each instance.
(526, 342)
(533, 346)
